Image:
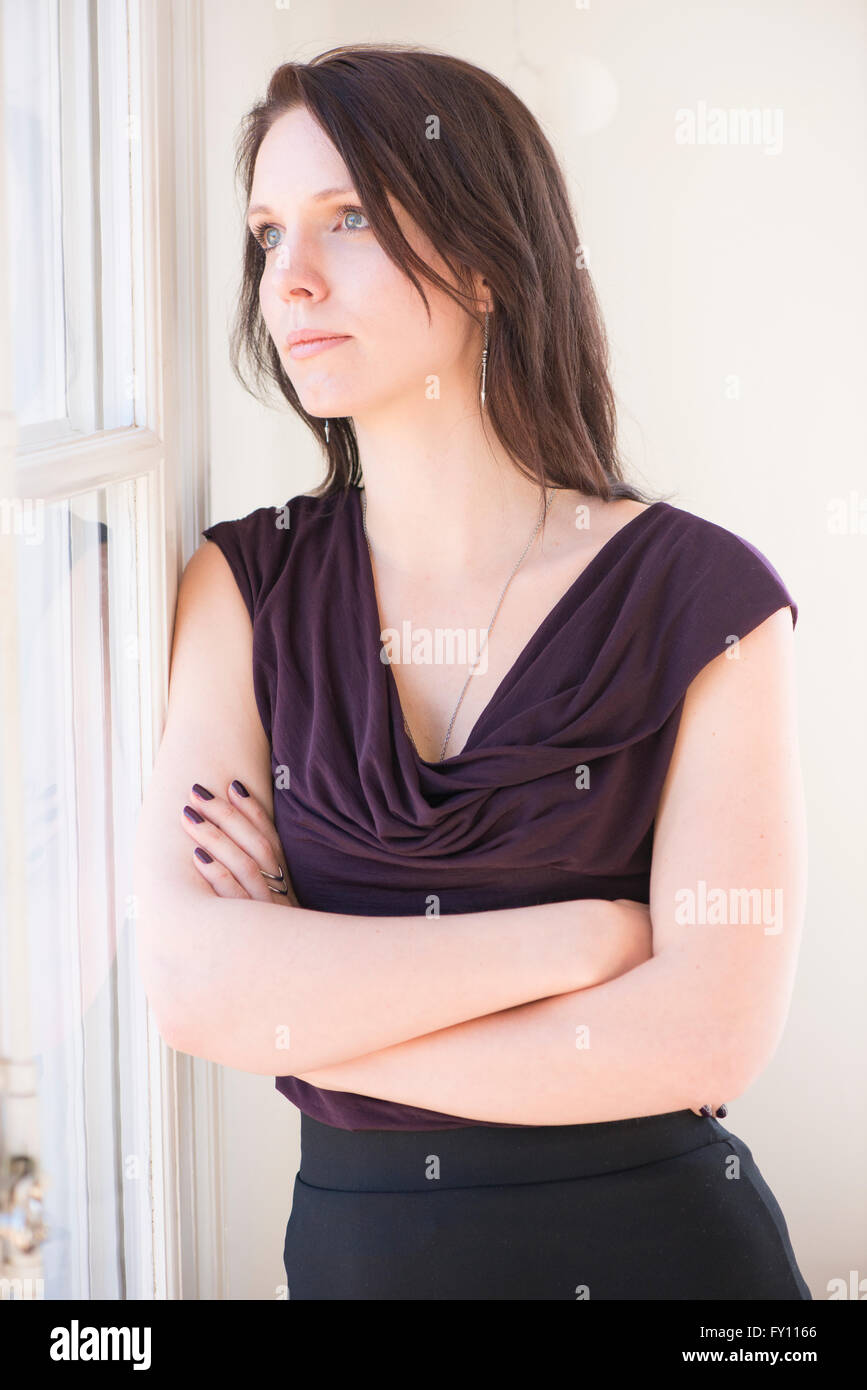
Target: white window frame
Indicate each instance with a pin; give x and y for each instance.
(168, 449)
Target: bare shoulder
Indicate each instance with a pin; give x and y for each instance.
(212, 636)
(207, 578)
(739, 712)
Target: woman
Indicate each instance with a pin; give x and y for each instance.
(511, 743)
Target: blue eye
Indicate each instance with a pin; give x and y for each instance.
(356, 212)
(260, 234)
(261, 231)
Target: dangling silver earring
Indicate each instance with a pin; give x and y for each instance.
(326, 431)
(485, 358)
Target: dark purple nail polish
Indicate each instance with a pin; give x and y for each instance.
(240, 788)
(193, 815)
(202, 792)
(722, 1112)
(203, 855)
(706, 1111)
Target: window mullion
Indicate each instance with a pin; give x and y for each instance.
(114, 238)
(79, 134)
(82, 464)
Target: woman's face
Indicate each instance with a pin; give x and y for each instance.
(324, 270)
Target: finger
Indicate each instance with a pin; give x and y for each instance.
(253, 809)
(222, 846)
(245, 820)
(256, 834)
(224, 884)
(261, 818)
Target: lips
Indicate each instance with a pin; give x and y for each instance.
(309, 346)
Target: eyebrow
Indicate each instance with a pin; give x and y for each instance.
(314, 198)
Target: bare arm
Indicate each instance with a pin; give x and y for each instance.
(234, 980)
(700, 1020)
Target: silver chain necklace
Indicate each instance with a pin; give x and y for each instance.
(475, 663)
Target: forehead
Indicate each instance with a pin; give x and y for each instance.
(296, 159)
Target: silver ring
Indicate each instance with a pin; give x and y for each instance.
(280, 879)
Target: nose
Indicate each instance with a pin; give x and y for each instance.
(293, 273)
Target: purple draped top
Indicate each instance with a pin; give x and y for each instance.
(370, 828)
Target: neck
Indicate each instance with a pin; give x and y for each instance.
(442, 499)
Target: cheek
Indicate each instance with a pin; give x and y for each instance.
(376, 289)
(396, 315)
(267, 298)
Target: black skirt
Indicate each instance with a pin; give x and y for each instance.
(666, 1206)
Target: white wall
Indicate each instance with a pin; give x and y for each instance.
(733, 288)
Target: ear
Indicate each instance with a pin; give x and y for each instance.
(483, 297)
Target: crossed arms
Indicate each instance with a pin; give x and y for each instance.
(558, 1014)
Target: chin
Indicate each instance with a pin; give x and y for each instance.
(322, 411)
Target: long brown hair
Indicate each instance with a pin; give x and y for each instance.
(491, 198)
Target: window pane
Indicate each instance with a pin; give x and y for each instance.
(69, 135)
(32, 205)
(84, 704)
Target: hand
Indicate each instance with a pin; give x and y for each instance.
(634, 941)
(614, 937)
(241, 841)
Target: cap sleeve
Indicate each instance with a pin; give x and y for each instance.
(726, 588)
(251, 545)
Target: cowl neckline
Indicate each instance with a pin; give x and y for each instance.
(578, 591)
